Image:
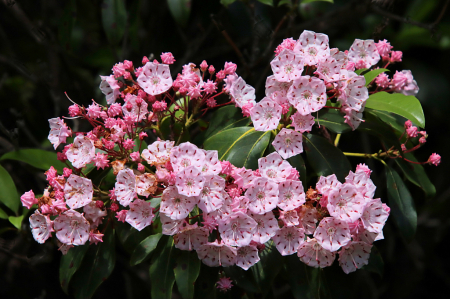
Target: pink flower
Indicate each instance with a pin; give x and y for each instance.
(41, 227)
(67, 172)
(217, 254)
(94, 110)
(28, 199)
(383, 48)
(288, 43)
(185, 155)
(382, 80)
(190, 181)
(363, 183)
(72, 228)
(209, 87)
(328, 70)
(58, 131)
(314, 255)
(78, 191)
(374, 216)
(288, 143)
(289, 218)
(110, 88)
(332, 233)
(135, 156)
(122, 215)
(262, 195)
(101, 161)
(95, 237)
(211, 69)
(203, 66)
(434, 159)
(159, 106)
(135, 107)
(266, 115)
(412, 132)
(396, 56)
(145, 60)
(74, 110)
(230, 68)
(287, 66)
(274, 168)
(81, 152)
(128, 144)
(314, 47)
(224, 284)
(167, 58)
(242, 93)
(355, 94)
(247, 256)
(346, 203)
(125, 187)
(291, 195)
(191, 237)
(302, 123)
(114, 110)
(288, 239)
(93, 213)
(158, 152)
(352, 118)
(237, 230)
(212, 195)
(118, 69)
(364, 168)
(155, 78)
(140, 214)
(364, 50)
(307, 94)
(354, 256)
(175, 205)
(404, 82)
(277, 90)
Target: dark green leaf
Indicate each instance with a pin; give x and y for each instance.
(66, 23)
(130, 237)
(3, 214)
(310, 1)
(16, 221)
(376, 263)
(288, 2)
(205, 285)
(374, 126)
(325, 158)
(162, 277)
(267, 2)
(226, 118)
(415, 173)
(96, 267)
(144, 249)
(35, 157)
(243, 279)
(333, 120)
(268, 268)
(401, 204)
(396, 122)
(114, 19)
(69, 265)
(227, 2)
(180, 10)
(298, 162)
(186, 272)
(8, 195)
(303, 280)
(369, 76)
(406, 106)
(242, 146)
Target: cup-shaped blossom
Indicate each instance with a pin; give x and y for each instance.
(242, 93)
(355, 94)
(274, 168)
(215, 254)
(288, 239)
(125, 187)
(110, 88)
(354, 256)
(308, 219)
(58, 131)
(329, 70)
(190, 181)
(327, 183)
(287, 66)
(211, 164)
(71, 228)
(314, 255)
(81, 152)
(185, 155)
(364, 53)
(289, 218)
(313, 46)
(302, 123)
(237, 230)
(222, 213)
(352, 118)
(266, 115)
(332, 233)
(288, 143)
(346, 203)
(135, 107)
(94, 214)
(374, 216)
(363, 184)
(78, 191)
(262, 196)
(41, 227)
(211, 197)
(247, 256)
(158, 152)
(155, 78)
(140, 214)
(267, 226)
(146, 184)
(277, 88)
(191, 237)
(175, 205)
(169, 226)
(307, 94)
(291, 195)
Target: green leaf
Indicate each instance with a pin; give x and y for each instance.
(415, 173)
(8, 196)
(186, 272)
(406, 106)
(16, 221)
(3, 214)
(96, 267)
(267, 2)
(130, 237)
(298, 162)
(401, 204)
(227, 2)
(162, 277)
(243, 279)
(180, 10)
(37, 158)
(333, 120)
(360, 71)
(144, 249)
(226, 118)
(396, 122)
(325, 158)
(268, 268)
(205, 285)
(69, 265)
(66, 23)
(376, 127)
(288, 2)
(242, 146)
(369, 76)
(310, 1)
(303, 280)
(376, 263)
(114, 19)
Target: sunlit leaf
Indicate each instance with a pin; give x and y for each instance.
(37, 158)
(369, 76)
(16, 221)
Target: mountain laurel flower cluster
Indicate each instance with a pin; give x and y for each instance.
(140, 165)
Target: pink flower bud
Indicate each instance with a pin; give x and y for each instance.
(114, 207)
(382, 80)
(230, 68)
(128, 65)
(211, 69)
(412, 132)
(99, 204)
(399, 80)
(211, 102)
(167, 58)
(220, 75)
(403, 147)
(145, 60)
(396, 56)
(434, 159)
(61, 157)
(138, 71)
(408, 124)
(135, 156)
(142, 135)
(203, 66)
(127, 76)
(74, 110)
(67, 172)
(383, 48)
(422, 140)
(28, 199)
(121, 215)
(141, 167)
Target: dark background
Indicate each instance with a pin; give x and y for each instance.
(51, 47)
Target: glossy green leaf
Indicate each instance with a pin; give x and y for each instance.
(369, 76)
(227, 2)
(415, 173)
(360, 71)
(310, 1)
(3, 214)
(114, 19)
(243, 279)
(16, 221)
(180, 10)
(97, 265)
(242, 146)
(333, 120)
(144, 249)
(66, 23)
(205, 285)
(130, 237)
(9, 196)
(376, 263)
(162, 277)
(325, 158)
(304, 280)
(186, 272)
(375, 127)
(225, 118)
(37, 158)
(406, 106)
(288, 2)
(69, 265)
(298, 162)
(268, 267)
(396, 122)
(267, 2)
(402, 205)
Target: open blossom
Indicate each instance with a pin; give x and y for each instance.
(175, 205)
(185, 155)
(274, 168)
(146, 184)
(101, 160)
(314, 255)
(81, 152)
(125, 188)
(237, 230)
(313, 46)
(332, 233)
(41, 227)
(217, 254)
(288, 239)
(302, 123)
(191, 237)
(247, 256)
(58, 131)
(155, 78)
(190, 181)
(140, 214)
(354, 256)
(262, 195)
(212, 195)
(266, 228)
(288, 143)
(93, 213)
(364, 52)
(346, 203)
(307, 94)
(287, 66)
(266, 115)
(110, 88)
(224, 284)
(71, 228)
(242, 93)
(374, 216)
(158, 152)
(78, 191)
(291, 195)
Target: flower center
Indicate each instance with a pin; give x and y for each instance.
(331, 231)
(288, 69)
(271, 173)
(260, 195)
(312, 51)
(155, 80)
(185, 162)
